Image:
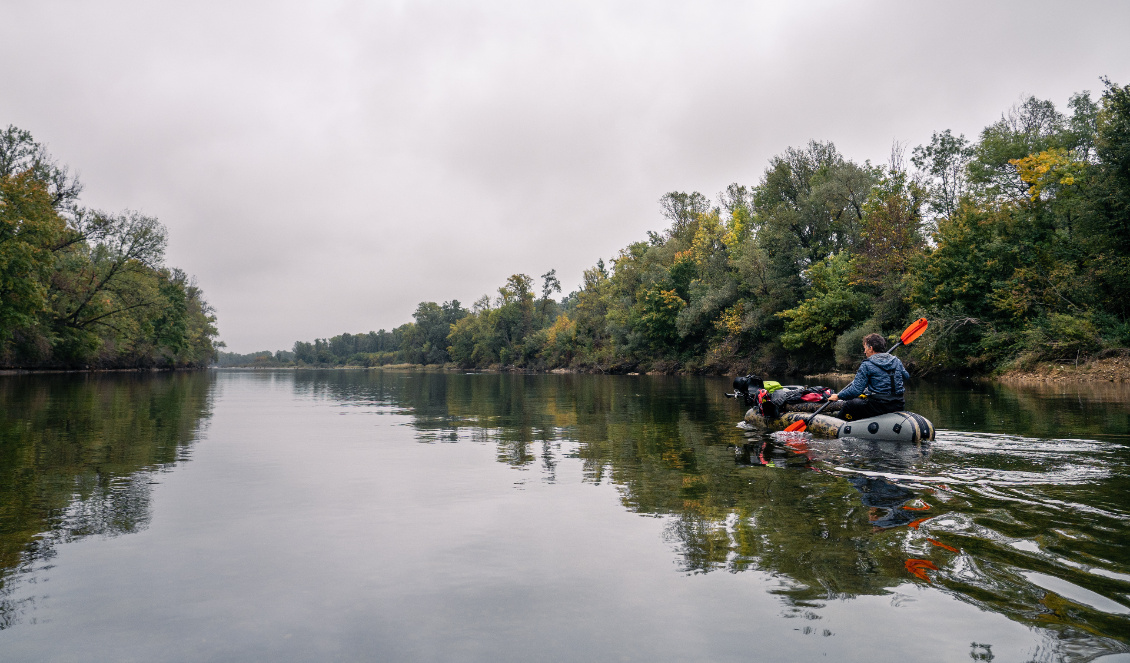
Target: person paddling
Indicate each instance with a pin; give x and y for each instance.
(878, 384)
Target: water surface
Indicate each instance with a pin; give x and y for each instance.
(369, 515)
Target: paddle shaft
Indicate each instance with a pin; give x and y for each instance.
(800, 426)
(818, 410)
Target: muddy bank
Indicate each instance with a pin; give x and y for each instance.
(1107, 369)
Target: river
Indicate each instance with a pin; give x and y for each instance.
(424, 516)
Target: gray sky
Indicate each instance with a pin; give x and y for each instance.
(322, 167)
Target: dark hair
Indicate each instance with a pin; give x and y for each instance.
(875, 342)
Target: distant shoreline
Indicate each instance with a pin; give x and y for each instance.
(1108, 369)
(43, 371)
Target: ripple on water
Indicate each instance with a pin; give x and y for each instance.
(1075, 593)
(1009, 460)
(1033, 527)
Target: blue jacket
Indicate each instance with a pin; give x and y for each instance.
(875, 375)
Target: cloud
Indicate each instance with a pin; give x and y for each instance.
(324, 166)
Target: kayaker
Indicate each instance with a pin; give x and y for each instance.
(878, 384)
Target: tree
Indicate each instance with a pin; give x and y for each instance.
(513, 318)
(809, 205)
(683, 209)
(943, 162)
(101, 283)
(1083, 125)
(1028, 256)
(29, 230)
(891, 237)
(1105, 229)
(549, 285)
(1029, 127)
(657, 315)
(429, 340)
(19, 153)
(80, 287)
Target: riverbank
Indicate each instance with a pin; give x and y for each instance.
(1106, 369)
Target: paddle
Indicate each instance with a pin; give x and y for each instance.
(906, 338)
(912, 332)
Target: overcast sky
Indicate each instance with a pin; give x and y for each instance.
(322, 167)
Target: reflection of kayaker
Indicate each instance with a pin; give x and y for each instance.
(766, 453)
(885, 501)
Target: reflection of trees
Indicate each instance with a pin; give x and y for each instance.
(1032, 410)
(669, 445)
(77, 455)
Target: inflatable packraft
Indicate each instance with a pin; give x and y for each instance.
(895, 426)
(785, 405)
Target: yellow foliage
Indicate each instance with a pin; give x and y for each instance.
(664, 300)
(708, 239)
(730, 322)
(1044, 169)
(736, 229)
(563, 326)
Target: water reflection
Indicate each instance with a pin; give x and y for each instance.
(1017, 508)
(1022, 485)
(1051, 410)
(78, 457)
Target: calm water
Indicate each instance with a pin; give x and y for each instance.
(365, 516)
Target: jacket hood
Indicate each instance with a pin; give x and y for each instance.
(883, 360)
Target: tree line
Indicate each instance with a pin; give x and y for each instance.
(83, 288)
(1014, 244)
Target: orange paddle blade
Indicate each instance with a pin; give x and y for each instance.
(914, 331)
(796, 427)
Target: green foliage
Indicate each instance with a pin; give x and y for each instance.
(1030, 127)
(943, 163)
(809, 205)
(1105, 226)
(85, 288)
(849, 345)
(29, 229)
(1059, 337)
(682, 210)
(1037, 252)
(658, 315)
(261, 359)
(681, 273)
(832, 308)
(891, 237)
(425, 342)
(377, 348)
